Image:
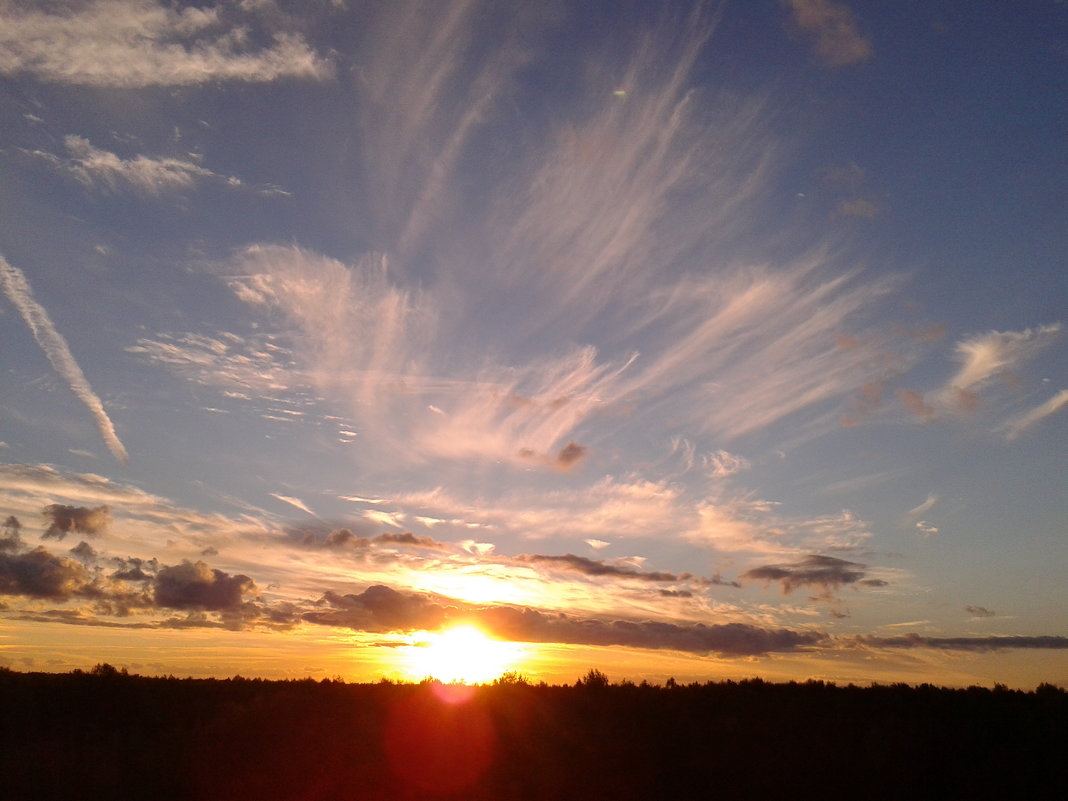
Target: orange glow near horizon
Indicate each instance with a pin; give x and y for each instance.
(459, 654)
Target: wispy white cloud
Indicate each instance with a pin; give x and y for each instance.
(430, 84)
(101, 169)
(753, 346)
(296, 503)
(620, 220)
(1017, 425)
(135, 43)
(633, 181)
(926, 506)
(620, 507)
(55, 347)
(833, 28)
(987, 356)
(226, 360)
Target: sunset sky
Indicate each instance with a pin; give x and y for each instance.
(706, 341)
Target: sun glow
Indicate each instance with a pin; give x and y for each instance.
(460, 654)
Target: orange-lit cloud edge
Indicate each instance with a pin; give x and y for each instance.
(314, 599)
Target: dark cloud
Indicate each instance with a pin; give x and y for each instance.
(407, 538)
(966, 643)
(382, 609)
(676, 593)
(134, 569)
(136, 585)
(10, 535)
(341, 538)
(979, 611)
(79, 519)
(826, 572)
(736, 639)
(596, 567)
(40, 574)
(78, 617)
(719, 581)
(566, 458)
(345, 539)
(195, 585)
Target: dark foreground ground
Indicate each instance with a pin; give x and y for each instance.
(105, 735)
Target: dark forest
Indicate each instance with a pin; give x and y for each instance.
(108, 735)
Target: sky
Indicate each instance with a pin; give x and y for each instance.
(694, 340)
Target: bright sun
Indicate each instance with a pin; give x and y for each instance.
(460, 654)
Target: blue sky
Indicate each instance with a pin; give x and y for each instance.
(699, 340)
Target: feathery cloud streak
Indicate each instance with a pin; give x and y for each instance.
(1017, 425)
(55, 347)
(989, 355)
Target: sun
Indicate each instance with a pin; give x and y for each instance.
(459, 654)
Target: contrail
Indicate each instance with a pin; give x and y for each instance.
(55, 347)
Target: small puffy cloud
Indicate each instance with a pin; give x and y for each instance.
(926, 529)
(195, 585)
(833, 29)
(858, 207)
(84, 551)
(342, 538)
(136, 43)
(570, 455)
(914, 402)
(1017, 425)
(64, 519)
(979, 611)
(722, 464)
(134, 569)
(826, 572)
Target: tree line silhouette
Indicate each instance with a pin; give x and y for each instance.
(110, 735)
